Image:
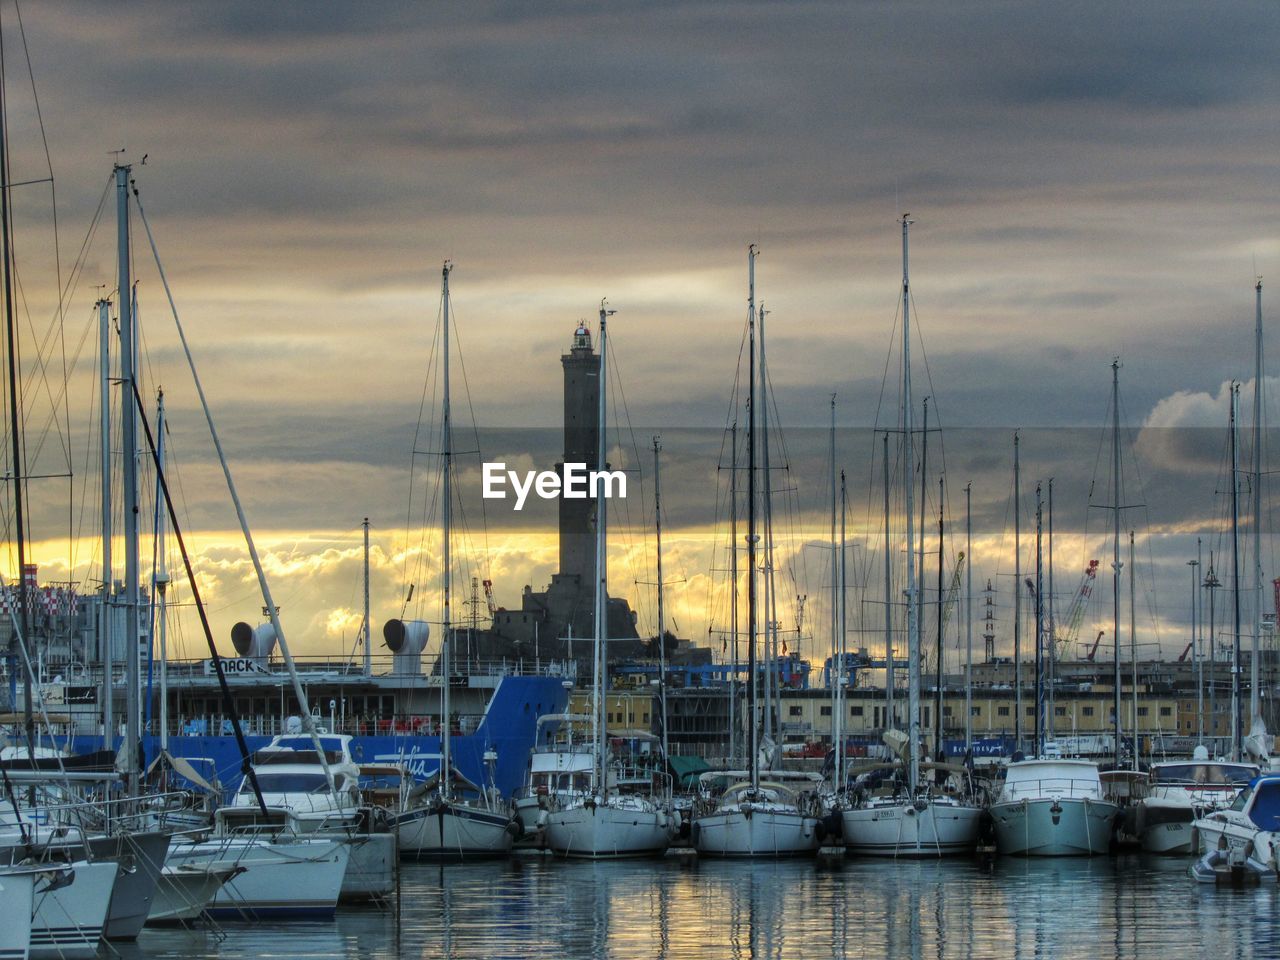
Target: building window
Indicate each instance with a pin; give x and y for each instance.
(855, 711)
(1059, 711)
(1002, 711)
(1142, 711)
(646, 716)
(795, 711)
(1166, 711)
(1087, 711)
(946, 711)
(1031, 711)
(825, 711)
(975, 711)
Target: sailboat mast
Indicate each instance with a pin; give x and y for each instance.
(1235, 574)
(753, 720)
(1255, 707)
(446, 534)
(662, 643)
(837, 663)
(842, 633)
(602, 558)
(890, 721)
(733, 592)
(1115, 550)
(129, 421)
(15, 437)
(162, 575)
(104, 417)
(968, 617)
(771, 678)
(1017, 598)
(1038, 743)
(937, 667)
(919, 559)
(1133, 646)
(1052, 650)
(913, 622)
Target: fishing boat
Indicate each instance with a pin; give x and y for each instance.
(756, 816)
(601, 822)
(912, 817)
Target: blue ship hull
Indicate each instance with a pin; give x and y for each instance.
(509, 727)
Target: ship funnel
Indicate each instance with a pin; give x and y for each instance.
(406, 639)
(256, 642)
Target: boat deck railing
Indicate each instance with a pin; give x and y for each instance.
(1052, 787)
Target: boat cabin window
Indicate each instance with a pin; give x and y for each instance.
(291, 783)
(1242, 798)
(1206, 773)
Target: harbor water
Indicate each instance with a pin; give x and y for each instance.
(1134, 906)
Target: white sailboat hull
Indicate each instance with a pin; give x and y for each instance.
(15, 914)
(1054, 826)
(285, 879)
(69, 921)
(453, 831)
(903, 830)
(758, 832)
(617, 827)
(184, 892)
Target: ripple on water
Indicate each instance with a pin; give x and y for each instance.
(1130, 907)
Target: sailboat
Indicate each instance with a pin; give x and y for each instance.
(600, 822)
(915, 818)
(1050, 806)
(449, 817)
(755, 817)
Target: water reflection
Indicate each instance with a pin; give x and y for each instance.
(1131, 907)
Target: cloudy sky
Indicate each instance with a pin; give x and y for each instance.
(1087, 182)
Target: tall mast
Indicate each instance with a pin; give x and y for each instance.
(602, 565)
(446, 534)
(840, 644)
(1255, 707)
(968, 617)
(753, 719)
(919, 559)
(913, 621)
(15, 437)
(733, 592)
(1115, 548)
(1017, 598)
(770, 587)
(662, 644)
(106, 630)
(1052, 669)
(1038, 744)
(129, 419)
(1235, 574)
(890, 721)
(836, 662)
(1133, 646)
(1212, 583)
(1196, 656)
(162, 575)
(937, 693)
(368, 642)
